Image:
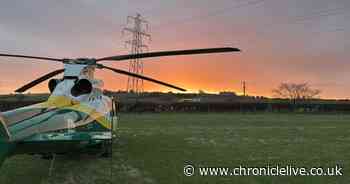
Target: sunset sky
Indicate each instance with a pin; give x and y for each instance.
(281, 40)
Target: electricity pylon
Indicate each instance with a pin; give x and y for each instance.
(138, 33)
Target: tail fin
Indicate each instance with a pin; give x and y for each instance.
(5, 145)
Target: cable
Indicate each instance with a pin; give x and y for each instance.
(210, 14)
(302, 19)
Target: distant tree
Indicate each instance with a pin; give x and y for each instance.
(202, 92)
(294, 91)
(228, 93)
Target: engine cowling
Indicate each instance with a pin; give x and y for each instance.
(81, 87)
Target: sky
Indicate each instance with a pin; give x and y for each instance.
(281, 41)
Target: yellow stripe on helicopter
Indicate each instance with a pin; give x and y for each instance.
(68, 103)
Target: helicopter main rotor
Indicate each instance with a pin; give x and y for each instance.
(95, 62)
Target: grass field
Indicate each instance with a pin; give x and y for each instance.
(153, 148)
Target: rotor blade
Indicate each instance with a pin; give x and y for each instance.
(169, 53)
(30, 57)
(141, 77)
(38, 81)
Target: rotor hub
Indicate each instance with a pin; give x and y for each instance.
(80, 61)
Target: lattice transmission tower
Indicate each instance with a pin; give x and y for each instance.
(137, 27)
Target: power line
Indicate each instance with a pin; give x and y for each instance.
(211, 13)
(302, 19)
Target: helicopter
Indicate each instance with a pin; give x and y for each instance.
(77, 116)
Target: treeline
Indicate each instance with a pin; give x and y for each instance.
(236, 107)
(165, 102)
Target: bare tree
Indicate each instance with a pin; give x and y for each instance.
(294, 91)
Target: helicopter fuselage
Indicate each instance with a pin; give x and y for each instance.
(72, 119)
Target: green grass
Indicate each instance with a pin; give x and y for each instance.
(153, 148)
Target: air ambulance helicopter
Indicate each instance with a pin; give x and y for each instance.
(77, 117)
